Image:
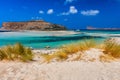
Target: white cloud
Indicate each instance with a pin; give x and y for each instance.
(41, 12)
(72, 10)
(90, 12)
(50, 11)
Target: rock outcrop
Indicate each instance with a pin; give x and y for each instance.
(32, 25)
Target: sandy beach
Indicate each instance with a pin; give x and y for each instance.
(90, 66)
(84, 69)
(76, 70)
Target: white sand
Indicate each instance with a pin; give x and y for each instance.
(45, 51)
(72, 70)
(60, 71)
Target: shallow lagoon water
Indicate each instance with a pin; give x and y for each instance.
(54, 39)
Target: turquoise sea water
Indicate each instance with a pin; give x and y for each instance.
(41, 39)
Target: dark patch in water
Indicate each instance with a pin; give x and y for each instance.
(51, 39)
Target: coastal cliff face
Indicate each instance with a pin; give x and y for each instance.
(32, 25)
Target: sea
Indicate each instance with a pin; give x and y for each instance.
(54, 39)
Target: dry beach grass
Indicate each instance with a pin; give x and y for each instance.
(16, 52)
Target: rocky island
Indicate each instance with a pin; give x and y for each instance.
(32, 25)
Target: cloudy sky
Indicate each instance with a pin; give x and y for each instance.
(75, 14)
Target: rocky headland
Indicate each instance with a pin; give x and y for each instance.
(32, 25)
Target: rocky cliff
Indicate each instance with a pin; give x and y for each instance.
(32, 25)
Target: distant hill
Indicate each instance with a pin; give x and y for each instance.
(93, 28)
(32, 25)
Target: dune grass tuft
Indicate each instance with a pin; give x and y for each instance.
(47, 57)
(71, 48)
(112, 48)
(79, 46)
(16, 52)
(87, 44)
(59, 55)
(106, 58)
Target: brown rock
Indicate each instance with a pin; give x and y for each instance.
(32, 25)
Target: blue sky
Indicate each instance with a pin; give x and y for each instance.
(74, 14)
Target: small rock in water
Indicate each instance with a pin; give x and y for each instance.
(47, 47)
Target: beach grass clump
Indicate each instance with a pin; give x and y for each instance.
(106, 58)
(58, 56)
(70, 49)
(47, 57)
(79, 46)
(112, 48)
(87, 44)
(61, 55)
(16, 52)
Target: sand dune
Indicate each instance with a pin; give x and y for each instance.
(66, 70)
